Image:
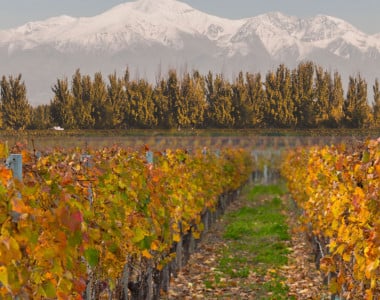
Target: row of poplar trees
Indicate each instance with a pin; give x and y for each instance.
(305, 97)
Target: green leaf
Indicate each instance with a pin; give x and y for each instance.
(113, 247)
(145, 243)
(75, 239)
(366, 157)
(92, 256)
(139, 235)
(49, 289)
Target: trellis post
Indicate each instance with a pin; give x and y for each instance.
(14, 162)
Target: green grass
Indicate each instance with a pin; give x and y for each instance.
(273, 189)
(257, 236)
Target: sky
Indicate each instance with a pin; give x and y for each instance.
(364, 14)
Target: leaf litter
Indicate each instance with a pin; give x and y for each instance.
(202, 278)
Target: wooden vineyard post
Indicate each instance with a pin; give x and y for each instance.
(14, 163)
(86, 159)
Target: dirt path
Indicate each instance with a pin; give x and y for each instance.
(202, 277)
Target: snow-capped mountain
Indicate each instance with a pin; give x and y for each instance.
(151, 36)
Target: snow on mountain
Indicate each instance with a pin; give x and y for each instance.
(148, 21)
(146, 34)
(163, 21)
(278, 32)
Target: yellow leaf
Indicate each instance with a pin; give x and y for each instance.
(359, 259)
(154, 245)
(176, 237)
(4, 275)
(373, 283)
(332, 245)
(196, 235)
(373, 265)
(122, 185)
(368, 295)
(359, 191)
(15, 249)
(146, 254)
(340, 249)
(36, 277)
(347, 257)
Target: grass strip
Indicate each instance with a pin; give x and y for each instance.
(257, 245)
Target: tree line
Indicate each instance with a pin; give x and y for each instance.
(304, 97)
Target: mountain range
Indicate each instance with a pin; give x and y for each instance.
(152, 36)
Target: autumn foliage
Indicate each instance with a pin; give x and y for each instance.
(338, 188)
(76, 220)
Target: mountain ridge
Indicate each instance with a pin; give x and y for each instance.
(146, 34)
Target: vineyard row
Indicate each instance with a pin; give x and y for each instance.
(338, 189)
(79, 225)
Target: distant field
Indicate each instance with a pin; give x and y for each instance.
(189, 139)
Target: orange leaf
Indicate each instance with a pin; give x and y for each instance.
(146, 254)
(5, 175)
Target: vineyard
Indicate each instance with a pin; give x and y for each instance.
(186, 139)
(82, 223)
(338, 188)
(117, 222)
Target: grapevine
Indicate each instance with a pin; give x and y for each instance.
(71, 227)
(338, 188)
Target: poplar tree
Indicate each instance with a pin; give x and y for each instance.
(364, 114)
(220, 102)
(350, 103)
(61, 105)
(115, 107)
(296, 98)
(241, 106)
(285, 104)
(376, 103)
(210, 98)
(183, 103)
(272, 96)
(193, 104)
(255, 100)
(197, 100)
(336, 102)
(81, 88)
(171, 92)
(356, 109)
(76, 91)
(305, 112)
(99, 102)
(87, 120)
(279, 111)
(1, 114)
(41, 117)
(321, 96)
(161, 105)
(15, 108)
(140, 105)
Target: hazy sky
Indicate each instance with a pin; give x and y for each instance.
(364, 14)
